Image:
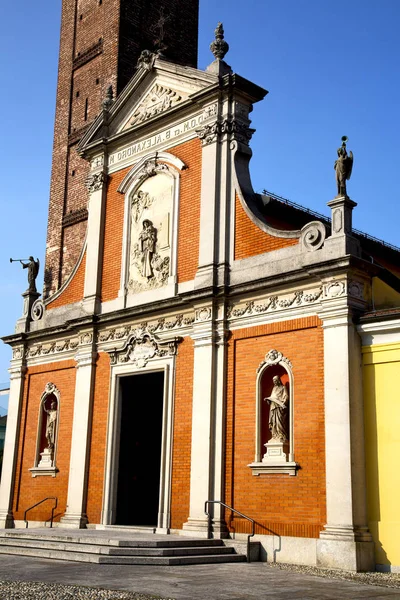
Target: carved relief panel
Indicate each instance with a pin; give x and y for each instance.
(151, 207)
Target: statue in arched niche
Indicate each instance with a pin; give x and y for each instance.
(51, 423)
(278, 401)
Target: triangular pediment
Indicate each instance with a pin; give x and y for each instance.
(156, 101)
(150, 95)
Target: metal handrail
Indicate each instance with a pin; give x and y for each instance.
(37, 504)
(235, 511)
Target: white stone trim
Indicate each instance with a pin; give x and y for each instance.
(380, 332)
(95, 239)
(133, 180)
(75, 515)
(345, 535)
(167, 366)
(17, 373)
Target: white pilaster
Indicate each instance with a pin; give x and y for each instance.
(205, 276)
(17, 372)
(75, 515)
(345, 541)
(96, 184)
(207, 460)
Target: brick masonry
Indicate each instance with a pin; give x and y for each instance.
(29, 490)
(279, 503)
(250, 240)
(101, 41)
(180, 494)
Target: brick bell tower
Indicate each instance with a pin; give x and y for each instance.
(101, 41)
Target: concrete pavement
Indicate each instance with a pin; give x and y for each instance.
(256, 581)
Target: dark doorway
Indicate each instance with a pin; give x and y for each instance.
(140, 449)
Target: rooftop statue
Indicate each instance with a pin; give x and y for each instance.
(33, 271)
(343, 167)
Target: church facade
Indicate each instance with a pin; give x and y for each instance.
(205, 344)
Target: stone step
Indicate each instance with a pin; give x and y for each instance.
(131, 528)
(51, 544)
(109, 541)
(121, 560)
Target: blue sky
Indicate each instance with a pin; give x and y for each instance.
(331, 68)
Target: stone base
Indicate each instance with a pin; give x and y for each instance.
(347, 555)
(6, 520)
(46, 461)
(199, 528)
(74, 521)
(276, 452)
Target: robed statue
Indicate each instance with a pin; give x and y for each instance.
(147, 246)
(278, 401)
(343, 167)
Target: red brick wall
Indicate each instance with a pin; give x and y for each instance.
(125, 29)
(180, 495)
(250, 240)
(29, 490)
(113, 229)
(189, 209)
(99, 439)
(74, 291)
(280, 504)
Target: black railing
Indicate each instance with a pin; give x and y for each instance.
(37, 504)
(235, 511)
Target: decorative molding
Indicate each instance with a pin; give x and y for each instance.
(356, 289)
(313, 236)
(85, 358)
(148, 166)
(37, 310)
(75, 216)
(162, 324)
(17, 372)
(142, 346)
(274, 357)
(95, 181)
(54, 347)
(203, 314)
(208, 133)
(259, 468)
(83, 57)
(334, 289)
(158, 100)
(237, 129)
(274, 303)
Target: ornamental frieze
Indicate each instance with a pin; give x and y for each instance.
(273, 303)
(162, 324)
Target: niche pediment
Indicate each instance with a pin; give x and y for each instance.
(142, 346)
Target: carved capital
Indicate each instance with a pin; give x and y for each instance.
(236, 129)
(96, 181)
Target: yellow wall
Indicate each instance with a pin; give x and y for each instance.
(382, 427)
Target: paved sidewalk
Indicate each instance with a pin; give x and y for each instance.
(257, 581)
